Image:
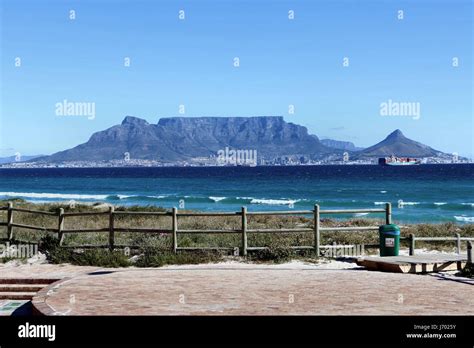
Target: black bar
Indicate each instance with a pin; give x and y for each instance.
(229, 330)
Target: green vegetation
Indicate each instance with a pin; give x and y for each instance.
(94, 257)
(158, 258)
(10, 258)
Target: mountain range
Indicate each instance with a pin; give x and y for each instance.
(177, 139)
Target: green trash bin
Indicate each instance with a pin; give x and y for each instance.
(389, 240)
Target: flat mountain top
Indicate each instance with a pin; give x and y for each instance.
(182, 138)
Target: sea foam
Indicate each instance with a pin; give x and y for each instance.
(273, 201)
(464, 218)
(51, 195)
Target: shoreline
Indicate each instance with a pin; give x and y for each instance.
(9, 166)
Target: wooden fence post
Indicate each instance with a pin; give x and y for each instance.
(412, 244)
(244, 231)
(10, 221)
(458, 243)
(469, 252)
(388, 213)
(111, 228)
(175, 229)
(316, 230)
(61, 226)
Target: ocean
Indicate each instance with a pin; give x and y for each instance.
(419, 194)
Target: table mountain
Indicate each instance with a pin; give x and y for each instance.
(182, 138)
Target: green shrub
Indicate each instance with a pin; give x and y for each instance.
(93, 257)
(278, 254)
(10, 258)
(157, 258)
(277, 250)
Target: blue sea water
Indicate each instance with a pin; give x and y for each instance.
(430, 193)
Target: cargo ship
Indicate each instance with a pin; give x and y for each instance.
(398, 161)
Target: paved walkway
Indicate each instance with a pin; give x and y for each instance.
(41, 270)
(249, 289)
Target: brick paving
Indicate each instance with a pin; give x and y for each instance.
(249, 289)
(42, 271)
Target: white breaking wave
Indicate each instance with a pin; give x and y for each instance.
(123, 196)
(440, 203)
(401, 203)
(51, 195)
(140, 196)
(217, 199)
(360, 214)
(465, 218)
(383, 191)
(471, 204)
(273, 201)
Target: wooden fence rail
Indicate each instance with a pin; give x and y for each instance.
(469, 252)
(458, 239)
(175, 231)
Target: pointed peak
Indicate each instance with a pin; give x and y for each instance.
(132, 120)
(396, 134)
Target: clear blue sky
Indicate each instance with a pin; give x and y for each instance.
(282, 61)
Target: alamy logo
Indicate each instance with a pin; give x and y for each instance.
(393, 108)
(37, 331)
(237, 157)
(20, 251)
(67, 108)
(335, 250)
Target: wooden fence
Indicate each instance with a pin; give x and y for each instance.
(458, 239)
(174, 214)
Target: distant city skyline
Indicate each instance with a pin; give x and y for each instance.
(347, 70)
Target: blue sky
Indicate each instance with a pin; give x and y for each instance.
(282, 62)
